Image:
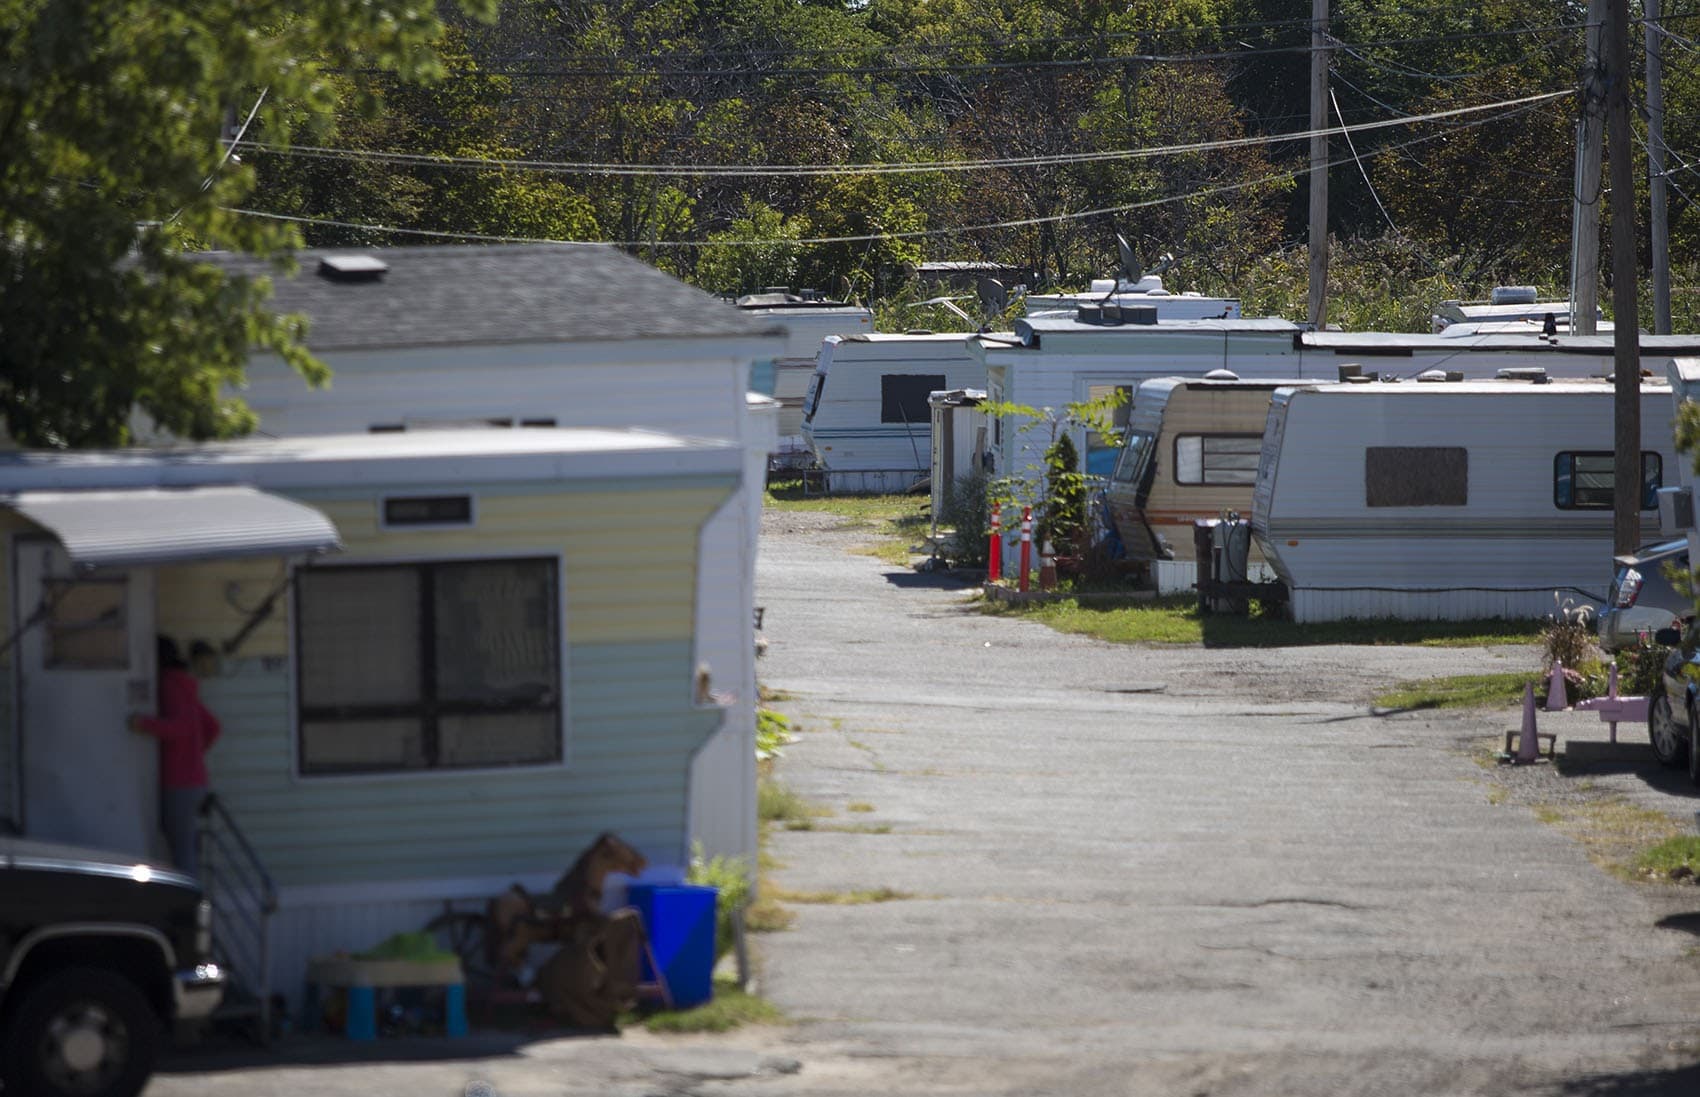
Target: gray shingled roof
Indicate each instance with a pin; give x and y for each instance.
(507, 293)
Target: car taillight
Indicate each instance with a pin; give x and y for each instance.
(1628, 588)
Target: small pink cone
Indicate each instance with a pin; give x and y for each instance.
(1558, 698)
(1528, 743)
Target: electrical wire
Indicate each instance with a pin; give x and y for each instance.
(569, 167)
(1364, 171)
(1277, 177)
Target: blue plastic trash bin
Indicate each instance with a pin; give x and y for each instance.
(680, 921)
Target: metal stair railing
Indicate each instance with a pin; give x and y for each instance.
(244, 900)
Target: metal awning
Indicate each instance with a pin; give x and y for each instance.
(141, 526)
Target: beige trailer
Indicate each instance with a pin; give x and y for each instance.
(1190, 452)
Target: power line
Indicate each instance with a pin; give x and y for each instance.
(568, 167)
(1229, 188)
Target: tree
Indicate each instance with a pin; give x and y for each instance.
(110, 113)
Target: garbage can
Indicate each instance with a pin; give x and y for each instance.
(680, 922)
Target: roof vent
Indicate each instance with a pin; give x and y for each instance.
(1091, 314)
(352, 268)
(1440, 375)
(919, 331)
(1112, 314)
(1512, 295)
(1221, 375)
(1351, 371)
(1535, 375)
(1139, 314)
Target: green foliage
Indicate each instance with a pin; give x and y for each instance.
(736, 263)
(731, 877)
(967, 511)
(1568, 635)
(1641, 670)
(109, 117)
(1459, 691)
(730, 1008)
(773, 731)
(1065, 506)
(1674, 858)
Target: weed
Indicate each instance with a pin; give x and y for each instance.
(769, 696)
(854, 897)
(731, 877)
(1664, 859)
(773, 731)
(854, 828)
(767, 916)
(859, 805)
(1176, 620)
(1458, 691)
(799, 824)
(730, 1008)
(1619, 835)
(777, 803)
(1498, 795)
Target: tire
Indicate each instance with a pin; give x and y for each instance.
(80, 1032)
(465, 934)
(1693, 747)
(1670, 743)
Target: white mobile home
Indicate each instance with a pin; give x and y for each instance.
(866, 416)
(447, 662)
(1447, 500)
(1189, 452)
(806, 322)
(1148, 291)
(536, 337)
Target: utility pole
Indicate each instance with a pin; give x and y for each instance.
(1318, 164)
(1626, 326)
(1658, 221)
(1585, 216)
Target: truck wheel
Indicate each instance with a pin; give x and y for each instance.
(1670, 742)
(80, 1032)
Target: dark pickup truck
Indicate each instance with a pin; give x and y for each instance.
(100, 956)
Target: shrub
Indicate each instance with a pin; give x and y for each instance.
(731, 875)
(1065, 510)
(1640, 670)
(966, 508)
(1568, 635)
(773, 731)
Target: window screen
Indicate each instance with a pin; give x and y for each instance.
(1217, 458)
(903, 397)
(1583, 481)
(425, 666)
(1416, 476)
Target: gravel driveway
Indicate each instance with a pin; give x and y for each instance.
(1176, 871)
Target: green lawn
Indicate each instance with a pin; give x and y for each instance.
(1176, 620)
(908, 510)
(1459, 691)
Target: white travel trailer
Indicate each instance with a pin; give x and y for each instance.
(1189, 452)
(866, 416)
(1450, 500)
(1147, 290)
(806, 321)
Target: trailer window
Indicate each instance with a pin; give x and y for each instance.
(1583, 481)
(1101, 448)
(903, 396)
(811, 402)
(451, 664)
(1217, 458)
(1135, 452)
(1416, 476)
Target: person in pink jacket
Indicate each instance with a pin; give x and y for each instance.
(186, 730)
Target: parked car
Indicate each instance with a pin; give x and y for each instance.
(1642, 599)
(1673, 716)
(99, 957)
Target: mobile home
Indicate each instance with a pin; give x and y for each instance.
(806, 321)
(1148, 291)
(1189, 452)
(531, 337)
(1450, 500)
(446, 662)
(866, 416)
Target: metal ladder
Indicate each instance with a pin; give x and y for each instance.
(244, 900)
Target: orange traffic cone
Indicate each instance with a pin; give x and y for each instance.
(1528, 743)
(1558, 698)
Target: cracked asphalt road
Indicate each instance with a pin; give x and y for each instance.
(1132, 871)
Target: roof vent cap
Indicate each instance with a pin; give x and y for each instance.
(1512, 295)
(352, 268)
(1535, 375)
(1436, 375)
(1221, 375)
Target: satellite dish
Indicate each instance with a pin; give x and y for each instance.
(1130, 265)
(994, 298)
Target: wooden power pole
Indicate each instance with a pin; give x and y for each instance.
(1318, 164)
(1658, 223)
(1626, 327)
(1585, 218)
